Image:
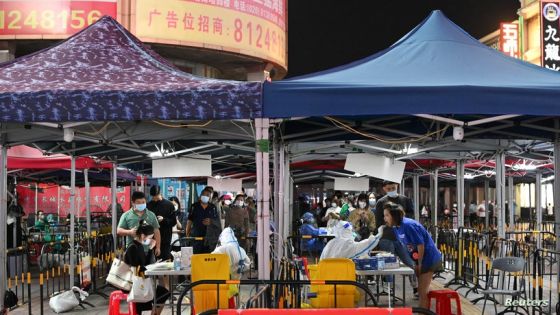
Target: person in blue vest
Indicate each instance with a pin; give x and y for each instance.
(313, 245)
(419, 244)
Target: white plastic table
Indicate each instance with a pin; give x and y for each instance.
(402, 271)
(155, 273)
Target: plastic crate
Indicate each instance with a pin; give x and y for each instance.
(366, 263)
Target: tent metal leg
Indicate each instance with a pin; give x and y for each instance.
(3, 222)
(511, 199)
(88, 209)
(460, 193)
(72, 218)
(114, 205)
(416, 196)
(263, 197)
(556, 192)
(499, 209)
(486, 204)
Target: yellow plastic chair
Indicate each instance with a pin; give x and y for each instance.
(335, 269)
(209, 267)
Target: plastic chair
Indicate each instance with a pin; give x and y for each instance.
(443, 301)
(510, 274)
(209, 267)
(335, 269)
(115, 304)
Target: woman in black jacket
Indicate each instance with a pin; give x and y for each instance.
(139, 254)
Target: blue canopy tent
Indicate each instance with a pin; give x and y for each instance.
(104, 73)
(437, 68)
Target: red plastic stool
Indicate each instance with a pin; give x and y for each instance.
(115, 304)
(443, 301)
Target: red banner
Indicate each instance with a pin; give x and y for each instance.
(48, 199)
(51, 17)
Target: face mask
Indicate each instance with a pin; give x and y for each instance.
(205, 199)
(372, 202)
(362, 204)
(140, 207)
(240, 204)
(334, 205)
(147, 241)
(227, 202)
(176, 207)
(393, 194)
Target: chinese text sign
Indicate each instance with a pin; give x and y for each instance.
(550, 25)
(249, 27)
(509, 39)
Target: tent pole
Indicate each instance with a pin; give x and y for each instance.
(500, 190)
(401, 190)
(58, 203)
(486, 204)
(114, 205)
(287, 193)
(538, 204)
(556, 190)
(435, 193)
(277, 214)
(72, 217)
(259, 186)
(88, 208)
(416, 195)
(511, 199)
(36, 200)
(460, 193)
(263, 197)
(281, 197)
(3, 222)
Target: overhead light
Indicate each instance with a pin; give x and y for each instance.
(357, 174)
(218, 177)
(158, 154)
(469, 176)
(68, 134)
(547, 179)
(409, 150)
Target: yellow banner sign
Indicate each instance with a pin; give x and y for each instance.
(250, 27)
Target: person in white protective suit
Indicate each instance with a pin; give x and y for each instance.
(239, 262)
(344, 246)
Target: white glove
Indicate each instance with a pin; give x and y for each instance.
(380, 230)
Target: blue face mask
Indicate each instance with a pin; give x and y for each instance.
(141, 207)
(393, 194)
(204, 199)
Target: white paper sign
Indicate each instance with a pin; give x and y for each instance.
(351, 184)
(375, 166)
(225, 184)
(182, 167)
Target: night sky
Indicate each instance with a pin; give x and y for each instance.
(327, 33)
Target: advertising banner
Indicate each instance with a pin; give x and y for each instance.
(56, 199)
(550, 26)
(51, 17)
(250, 27)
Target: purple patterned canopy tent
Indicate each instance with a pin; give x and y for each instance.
(104, 73)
